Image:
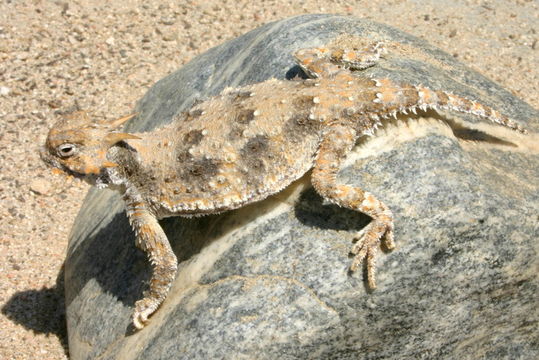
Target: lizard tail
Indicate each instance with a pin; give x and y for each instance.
(431, 99)
(398, 98)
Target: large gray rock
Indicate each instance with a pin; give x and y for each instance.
(270, 280)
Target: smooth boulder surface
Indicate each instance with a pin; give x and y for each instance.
(271, 280)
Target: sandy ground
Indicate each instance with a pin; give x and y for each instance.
(56, 56)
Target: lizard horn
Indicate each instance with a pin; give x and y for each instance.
(113, 138)
(116, 123)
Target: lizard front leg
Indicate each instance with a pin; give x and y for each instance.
(151, 239)
(337, 141)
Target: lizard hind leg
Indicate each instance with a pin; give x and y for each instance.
(358, 57)
(337, 142)
(344, 52)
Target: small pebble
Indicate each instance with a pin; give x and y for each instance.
(4, 91)
(40, 186)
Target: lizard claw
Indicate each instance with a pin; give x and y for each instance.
(368, 243)
(143, 309)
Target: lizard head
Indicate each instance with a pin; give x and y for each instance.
(78, 146)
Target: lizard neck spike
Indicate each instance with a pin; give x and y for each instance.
(114, 138)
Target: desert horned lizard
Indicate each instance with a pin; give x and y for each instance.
(246, 144)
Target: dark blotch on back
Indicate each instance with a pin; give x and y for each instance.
(241, 118)
(235, 133)
(255, 146)
(183, 156)
(299, 126)
(193, 137)
(203, 169)
(187, 115)
(254, 155)
(303, 103)
(245, 116)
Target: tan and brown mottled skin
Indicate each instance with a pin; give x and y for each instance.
(246, 144)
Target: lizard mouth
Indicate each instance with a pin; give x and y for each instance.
(48, 159)
(74, 173)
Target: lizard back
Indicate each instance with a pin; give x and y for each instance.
(212, 159)
(244, 144)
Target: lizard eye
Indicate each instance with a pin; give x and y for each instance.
(66, 150)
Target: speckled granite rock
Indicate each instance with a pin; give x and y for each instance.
(270, 280)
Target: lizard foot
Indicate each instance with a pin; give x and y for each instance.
(368, 243)
(143, 309)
